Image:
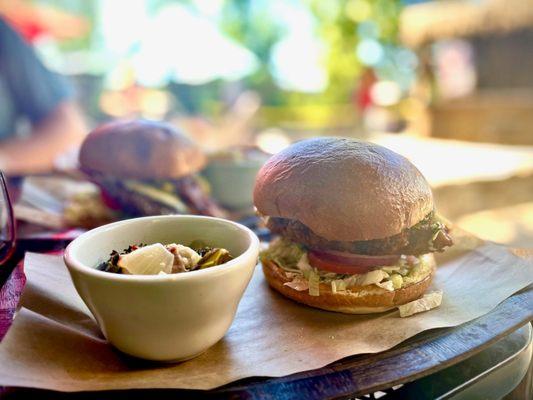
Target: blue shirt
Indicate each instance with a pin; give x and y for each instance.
(28, 90)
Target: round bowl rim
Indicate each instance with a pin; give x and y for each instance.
(74, 264)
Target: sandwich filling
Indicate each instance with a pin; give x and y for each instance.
(294, 260)
(186, 195)
(428, 235)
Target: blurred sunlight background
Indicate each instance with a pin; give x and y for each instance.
(446, 83)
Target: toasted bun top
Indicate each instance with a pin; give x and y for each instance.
(343, 189)
(140, 149)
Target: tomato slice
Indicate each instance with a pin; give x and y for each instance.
(108, 200)
(347, 263)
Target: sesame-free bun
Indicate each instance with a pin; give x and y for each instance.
(358, 300)
(140, 149)
(343, 189)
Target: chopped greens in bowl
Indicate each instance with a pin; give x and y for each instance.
(159, 259)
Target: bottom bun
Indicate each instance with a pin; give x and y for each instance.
(357, 300)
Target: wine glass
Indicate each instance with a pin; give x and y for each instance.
(7, 228)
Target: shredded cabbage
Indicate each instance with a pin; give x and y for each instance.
(304, 266)
(397, 281)
(426, 303)
(298, 283)
(293, 259)
(338, 285)
(387, 285)
(284, 253)
(370, 278)
(390, 270)
(314, 284)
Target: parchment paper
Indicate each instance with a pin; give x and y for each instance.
(54, 343)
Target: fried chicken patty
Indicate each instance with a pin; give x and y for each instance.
(427, 236)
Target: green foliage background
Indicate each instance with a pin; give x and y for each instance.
(341, 24)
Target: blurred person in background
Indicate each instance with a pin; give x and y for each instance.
(39, 119)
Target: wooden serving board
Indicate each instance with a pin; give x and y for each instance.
(420, 356)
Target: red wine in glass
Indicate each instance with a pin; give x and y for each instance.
(7, 230)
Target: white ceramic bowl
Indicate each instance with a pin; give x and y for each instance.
(163, 317)
(232, 184)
